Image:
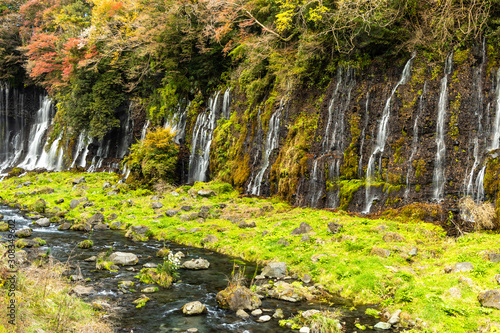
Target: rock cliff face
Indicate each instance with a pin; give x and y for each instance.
(378, 137)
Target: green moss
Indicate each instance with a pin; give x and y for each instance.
(349, 167)
(86, 244)
(347, 188)
(460, 56)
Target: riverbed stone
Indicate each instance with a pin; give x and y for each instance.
(462, 267)
(43, 222)
(394, 319)
(196, 264)
(287, 292)
(123, 258)
(275, 270)
(194, 308)
(4, 226)
(256, 312)
(304, 228)
(23, 233)
(490, 299)
(82, 291)
(91, 259)
(382, 326)
(81, 227)
(149, 290)
(377, 251)
(206, 193)
(242, 314)
(101, 226)
(115, 225)
(238, 297)
(278, 314)
(150, 265)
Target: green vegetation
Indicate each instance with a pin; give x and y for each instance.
(345, 262)
(44, 301)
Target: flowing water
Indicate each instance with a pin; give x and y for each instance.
(199, 159)
(381, 139)
(161, 313)
(438, 178)
(272, 143)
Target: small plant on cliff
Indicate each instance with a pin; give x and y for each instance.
(481, 214)
(154, 158)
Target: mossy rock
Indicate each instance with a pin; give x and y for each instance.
(4, 226)
(152, 276)
(86, 244)
(105, 265)
(39, 206)
(163, 252)
(81, 227)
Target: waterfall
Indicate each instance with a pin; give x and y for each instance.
(438, 179)
(414, 143)
(206, 123)
(144, 130)
(37, 134)
(315, 185)
(177, 123)
(360, 163)
(126, 134)
(382, 135)
(82, 149)
(226, 104)
(495, 139)
(53, 158)
(272, 143)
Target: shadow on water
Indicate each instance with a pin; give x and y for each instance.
(161, 313)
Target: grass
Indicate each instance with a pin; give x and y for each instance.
(417, 285)
(43, 302)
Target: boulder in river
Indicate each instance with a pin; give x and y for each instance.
(123, 258)
(4, 226)
(196, 264)
(23, 233)
(43, 222)
(238, 297)
(194, 308)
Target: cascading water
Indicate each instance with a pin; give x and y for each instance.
(495, 137)
(226, 104)
(360, 162)
(36, 136)
(144, 130)
(382, 135)
(206, 123)
(53, 158)
(414, 143)
(177, 122)
(438, 179)
(82, 149)
(272, 143)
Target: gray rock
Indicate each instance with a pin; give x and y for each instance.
(81, 227)
(186, 208)
(171, 212)
(256, 312)
(156, 205)
(194, 308)
(79, 180)
(112, 217)
(101, 226)
(192, 330)
(82, 291)
(245, 225)
(462, 267)
(23, 233)
(115, 225)
(382, 326)
(275, 270)
(21, 257)
(43, 222)
(242, 314)
(209, 239)
(203, 215)
(309, 313)
(206, 193)
(286, 291)
(239, 297)
(413, 252)
(306, 278)
(150, 290)
(205, 209)
(196, 264)
(494, 257)
(195, 230)
(490, 299)
(377, 251)
(304, 228)
(75, 202)
(139, 229)
(123, 258)
(174, 194)
(395, 317)
(27, 183)
(150, 265)
(91, 259)
(334, 228)
(305, 238)
(96, 218)
(278, 314)
(264, 318)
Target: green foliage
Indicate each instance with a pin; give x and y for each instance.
(154, 158)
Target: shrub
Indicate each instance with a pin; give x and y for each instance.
(481, 214)
(154, 158)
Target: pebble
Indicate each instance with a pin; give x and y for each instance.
(382, 326)
(264, 318)
(256, 312)
(242, 314)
